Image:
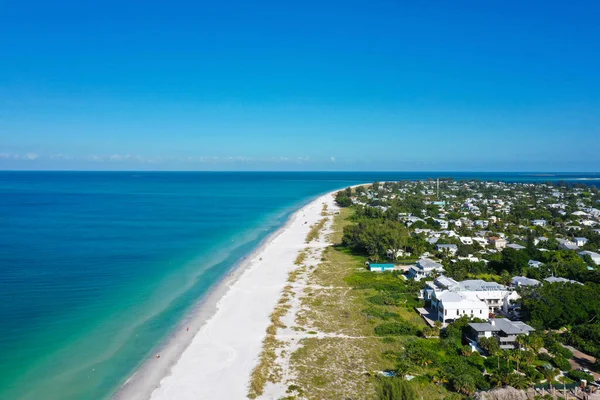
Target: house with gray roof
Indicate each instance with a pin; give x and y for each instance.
(505, 330)
(425, 267)
(447, 248)
(557, 279)
(595, 256)
(520, 281)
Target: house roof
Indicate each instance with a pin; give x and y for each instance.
(502, 324)
(589, 253)
(426, 263)
(447, 246)
(476, 285)
(524, 281)
(454, 300)
(446, 281)
(557, 279)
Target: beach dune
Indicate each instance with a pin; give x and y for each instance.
(213, 353)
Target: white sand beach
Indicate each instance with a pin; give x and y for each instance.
(215, 357)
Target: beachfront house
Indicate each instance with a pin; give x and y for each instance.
(505, 330)
(451, 306)
(495, 295)
(425, 267)
(450, 299)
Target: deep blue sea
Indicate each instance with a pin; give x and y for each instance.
(97, 268)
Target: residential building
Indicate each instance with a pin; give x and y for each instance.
(565, 244)
(515, 246)
(447, 248)
(471, 293)
(466, 240)
(595, 256)
(580, 241)
(535, 264)
(451, 306)
(556, 279)
(520, 281)
(539, 222)
(425, 267)
(482, 223)
(506, 331)
(497, 243)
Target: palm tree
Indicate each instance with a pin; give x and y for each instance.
(516, 355)
(522, 341)
(466, 351)
(518, 381)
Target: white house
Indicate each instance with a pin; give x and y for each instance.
(425, 267)
(495, 295)
(482, 223)
(443, 223)
(447, 248)
(539, 222)
(481, 241)
(535, 264)
(451, 306)
(497, 243)
(566, 244)
(465, 240)
(452, 299)
(580, 241)
(515, 246)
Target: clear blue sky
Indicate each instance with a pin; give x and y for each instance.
(276, 85)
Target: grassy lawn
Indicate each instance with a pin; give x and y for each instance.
(341, 303)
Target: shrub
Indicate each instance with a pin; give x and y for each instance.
(561, 363)
(395, 389)
(579, 375)
(396, 329)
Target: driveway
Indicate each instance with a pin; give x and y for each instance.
(582, 360)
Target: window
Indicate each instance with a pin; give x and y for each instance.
(445, 312)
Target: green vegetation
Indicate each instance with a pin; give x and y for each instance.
(354, 323)
(396, 389)
(315, 230)
(554, 306)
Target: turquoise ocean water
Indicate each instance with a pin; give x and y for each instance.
(96, 269)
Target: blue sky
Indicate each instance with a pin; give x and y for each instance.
(311, 85)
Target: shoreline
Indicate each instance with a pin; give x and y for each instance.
(159, 378)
